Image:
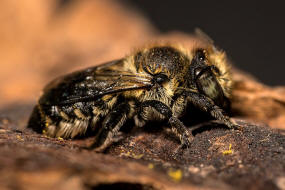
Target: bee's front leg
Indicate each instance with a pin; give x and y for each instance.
(110, 127)
(207, 105)
(178, 128)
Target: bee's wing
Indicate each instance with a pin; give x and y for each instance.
(94, 82)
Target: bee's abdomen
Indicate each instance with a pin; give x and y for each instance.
(72, 120)
(66, 121)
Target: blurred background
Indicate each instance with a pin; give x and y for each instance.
(40, 40)
(251, 32)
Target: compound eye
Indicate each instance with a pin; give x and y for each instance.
(198, 71)
(202, 71)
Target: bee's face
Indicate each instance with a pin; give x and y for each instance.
(209, 76)
(201, 70)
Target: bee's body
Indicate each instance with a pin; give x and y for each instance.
(155, 83)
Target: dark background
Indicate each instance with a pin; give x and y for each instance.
(252, 33)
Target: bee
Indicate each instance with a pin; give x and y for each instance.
(156, 83)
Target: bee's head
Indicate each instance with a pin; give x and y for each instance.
(209, 74)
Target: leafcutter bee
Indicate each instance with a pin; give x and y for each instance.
(154, 83)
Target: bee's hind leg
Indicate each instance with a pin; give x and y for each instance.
(110, 127)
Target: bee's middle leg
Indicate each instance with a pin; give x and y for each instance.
(110, 127)
(178, 128)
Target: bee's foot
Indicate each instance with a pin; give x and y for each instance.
(233, 125)
(119, 136)
(180, 149)
(238, 127)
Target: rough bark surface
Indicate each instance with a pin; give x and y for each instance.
(44, 39)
